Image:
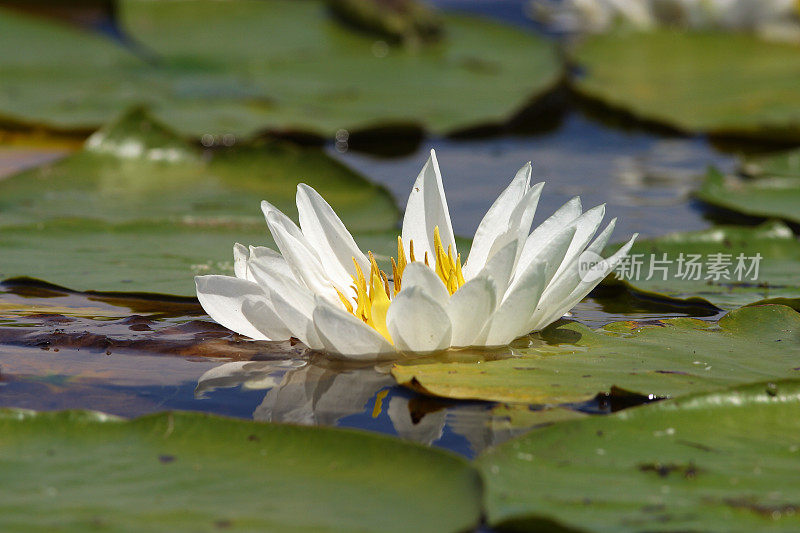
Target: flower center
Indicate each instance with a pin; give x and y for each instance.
(371, 300)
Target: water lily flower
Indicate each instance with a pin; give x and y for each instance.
(323, 290)
(772, 19)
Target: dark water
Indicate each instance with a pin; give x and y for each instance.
(131, 356)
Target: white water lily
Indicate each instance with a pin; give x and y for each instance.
(323, 290)
(775, 19)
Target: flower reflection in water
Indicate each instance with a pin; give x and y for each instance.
(365, 397)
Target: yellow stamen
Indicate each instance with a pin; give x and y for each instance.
(345, 301)
(447, 268)
(458, 271)
(379, 306)
(376, 410)
(373, 293)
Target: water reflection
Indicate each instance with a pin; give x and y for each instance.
(366, 397)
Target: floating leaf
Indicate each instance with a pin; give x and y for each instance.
(782, 164)
(149, 256)
(192, 472)
(778, 269)
(135, 169)
(280, 65)
(718, 83)
(767, 197)
(139, 209)
(724, 461)
(662, 358)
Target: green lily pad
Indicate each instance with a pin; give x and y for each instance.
(720, 462)
(135, 169)
(278, 65)
(160, 257)
(663, 358)
(717, 83)
(784, 164)
(776, 197)
(190, 472)
(778, 268)
(139, 209)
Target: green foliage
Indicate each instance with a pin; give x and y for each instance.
(278, 65)
(666, 358)
(718, 83)
(74, 471)
(718, 462)
(140, 209)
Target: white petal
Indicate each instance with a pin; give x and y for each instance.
(469, 308)
(343, 334)
(222, 298)
(571, 289)
(510, 320)
(327, 234)
(600, 242)
(286, 223)
(546, 230)
(522, 216)
(417, 323)
(420, 275)
(495, 221)
(268, 260)
(500, 268)
(587, 225)
(296, 311)
(263, 316)
(292, 302)
(305, 265)
(240, 256)
(427, 209)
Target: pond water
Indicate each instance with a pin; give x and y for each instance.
(131, 356)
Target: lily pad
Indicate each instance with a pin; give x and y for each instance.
(139, 209)
(191, 472)
(136, 169)
(777, 276)
(717, 83)
(278, 65)
(656, 359)
(767, 197)
(158, 257)
(784, 164)
(724, 461)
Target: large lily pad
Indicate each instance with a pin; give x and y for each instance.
(718, 83)
(778, 273)
(189, 472)
(774, 196)
(135, 169)
(267, 65)
(721, 462)
(665, 358)
(139, 209)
